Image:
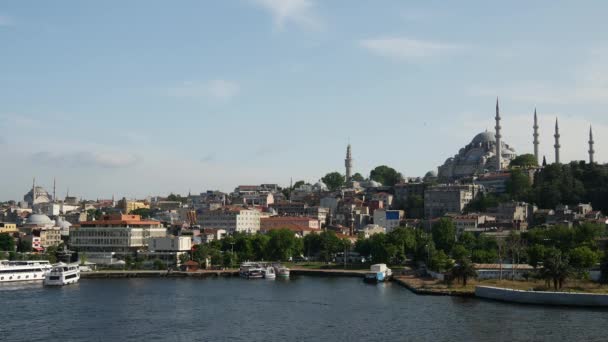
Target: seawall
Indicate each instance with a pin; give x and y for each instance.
(542, 297)
(212, 273)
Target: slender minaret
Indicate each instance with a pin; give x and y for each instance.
(535, 135)
(557, 145)
(498, 142)
(54, 188)
(348, 162)
(33, 191)
(591, 150)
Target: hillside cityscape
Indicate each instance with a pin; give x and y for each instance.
(487, 205)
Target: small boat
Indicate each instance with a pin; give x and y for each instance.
(281, 271)
(378, 273)
(251, 270)
(269, 273)
(30, 270)
(62, 274)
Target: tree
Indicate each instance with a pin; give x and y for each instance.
(556, 268)
(460, 252)
(7, 243)
(518, 185)
(282, 244)
(444, 234)
(183, 258)
(298, 184)
(582, 258)
(24, 246)
(357, 177)
(463, 270)
(524, 161)
(143, 212)
(330, 244)
(385, 175)
(440, 262)
(159, 265)
(333, 180)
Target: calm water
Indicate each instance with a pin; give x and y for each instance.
(300, 309)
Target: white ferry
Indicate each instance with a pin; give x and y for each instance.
(23, 270)
(62, 274)
(269, 272)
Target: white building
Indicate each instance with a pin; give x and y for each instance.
(388, 219)
(232, 220)
(372, 229)
(114, 235)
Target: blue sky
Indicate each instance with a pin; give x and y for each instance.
(138, 98)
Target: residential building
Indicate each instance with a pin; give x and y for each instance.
(232, 219)
(450, 198)
(472, 222)
(388, 219)
(277, 222)
(168, 249)
(6, 227)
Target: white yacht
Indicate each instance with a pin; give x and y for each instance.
(251, 270)
(281, 271)
(269, 272)
(23, 270)
(62, 274)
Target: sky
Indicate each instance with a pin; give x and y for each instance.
(146, 97)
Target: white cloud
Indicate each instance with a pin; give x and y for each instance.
(6, 21)
(588, 83)
(407, 49)
(12, 120)
(299, 12)
(85, 159)
(217, 89)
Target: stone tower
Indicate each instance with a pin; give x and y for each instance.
(498, 142)
(591, 150)
(535, 135)
(348, 163)
(557, 145)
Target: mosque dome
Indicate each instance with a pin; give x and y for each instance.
(484, 137)
(38, 219)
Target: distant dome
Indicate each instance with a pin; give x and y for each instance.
(373, 184)
(38, 219)
(484, 137)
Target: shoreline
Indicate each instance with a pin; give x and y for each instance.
(211, 273)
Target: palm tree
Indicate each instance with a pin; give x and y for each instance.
(556, 268)
(463, 270)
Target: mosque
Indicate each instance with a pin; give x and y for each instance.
(488, 153)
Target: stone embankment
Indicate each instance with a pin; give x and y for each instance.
(542, 297)
(212, 273)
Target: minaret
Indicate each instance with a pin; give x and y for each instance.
(498, 142)
(33, 191)
(535, 135)
(348, 162)
(591, 150)
(557, 145)
(54, 188)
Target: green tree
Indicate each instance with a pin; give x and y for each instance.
(582, 258)
(7, 243)
(444, 234)
(440, 261)
(464, 270)
(159, 265)
(385, 175)
(518, 185)
(282, 244)
(357, 177)
(312, 245)
(330, 245)
(145, 213)
(556, 268)
(460, 252)
(524, 161)
(333, 180)
(298, 184)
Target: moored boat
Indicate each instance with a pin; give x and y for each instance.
(251, 270)
(378, 273)
(29, 270)
(281, 271)
(62, 274)
(269, 272)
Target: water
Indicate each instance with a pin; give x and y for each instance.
(300, 309)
